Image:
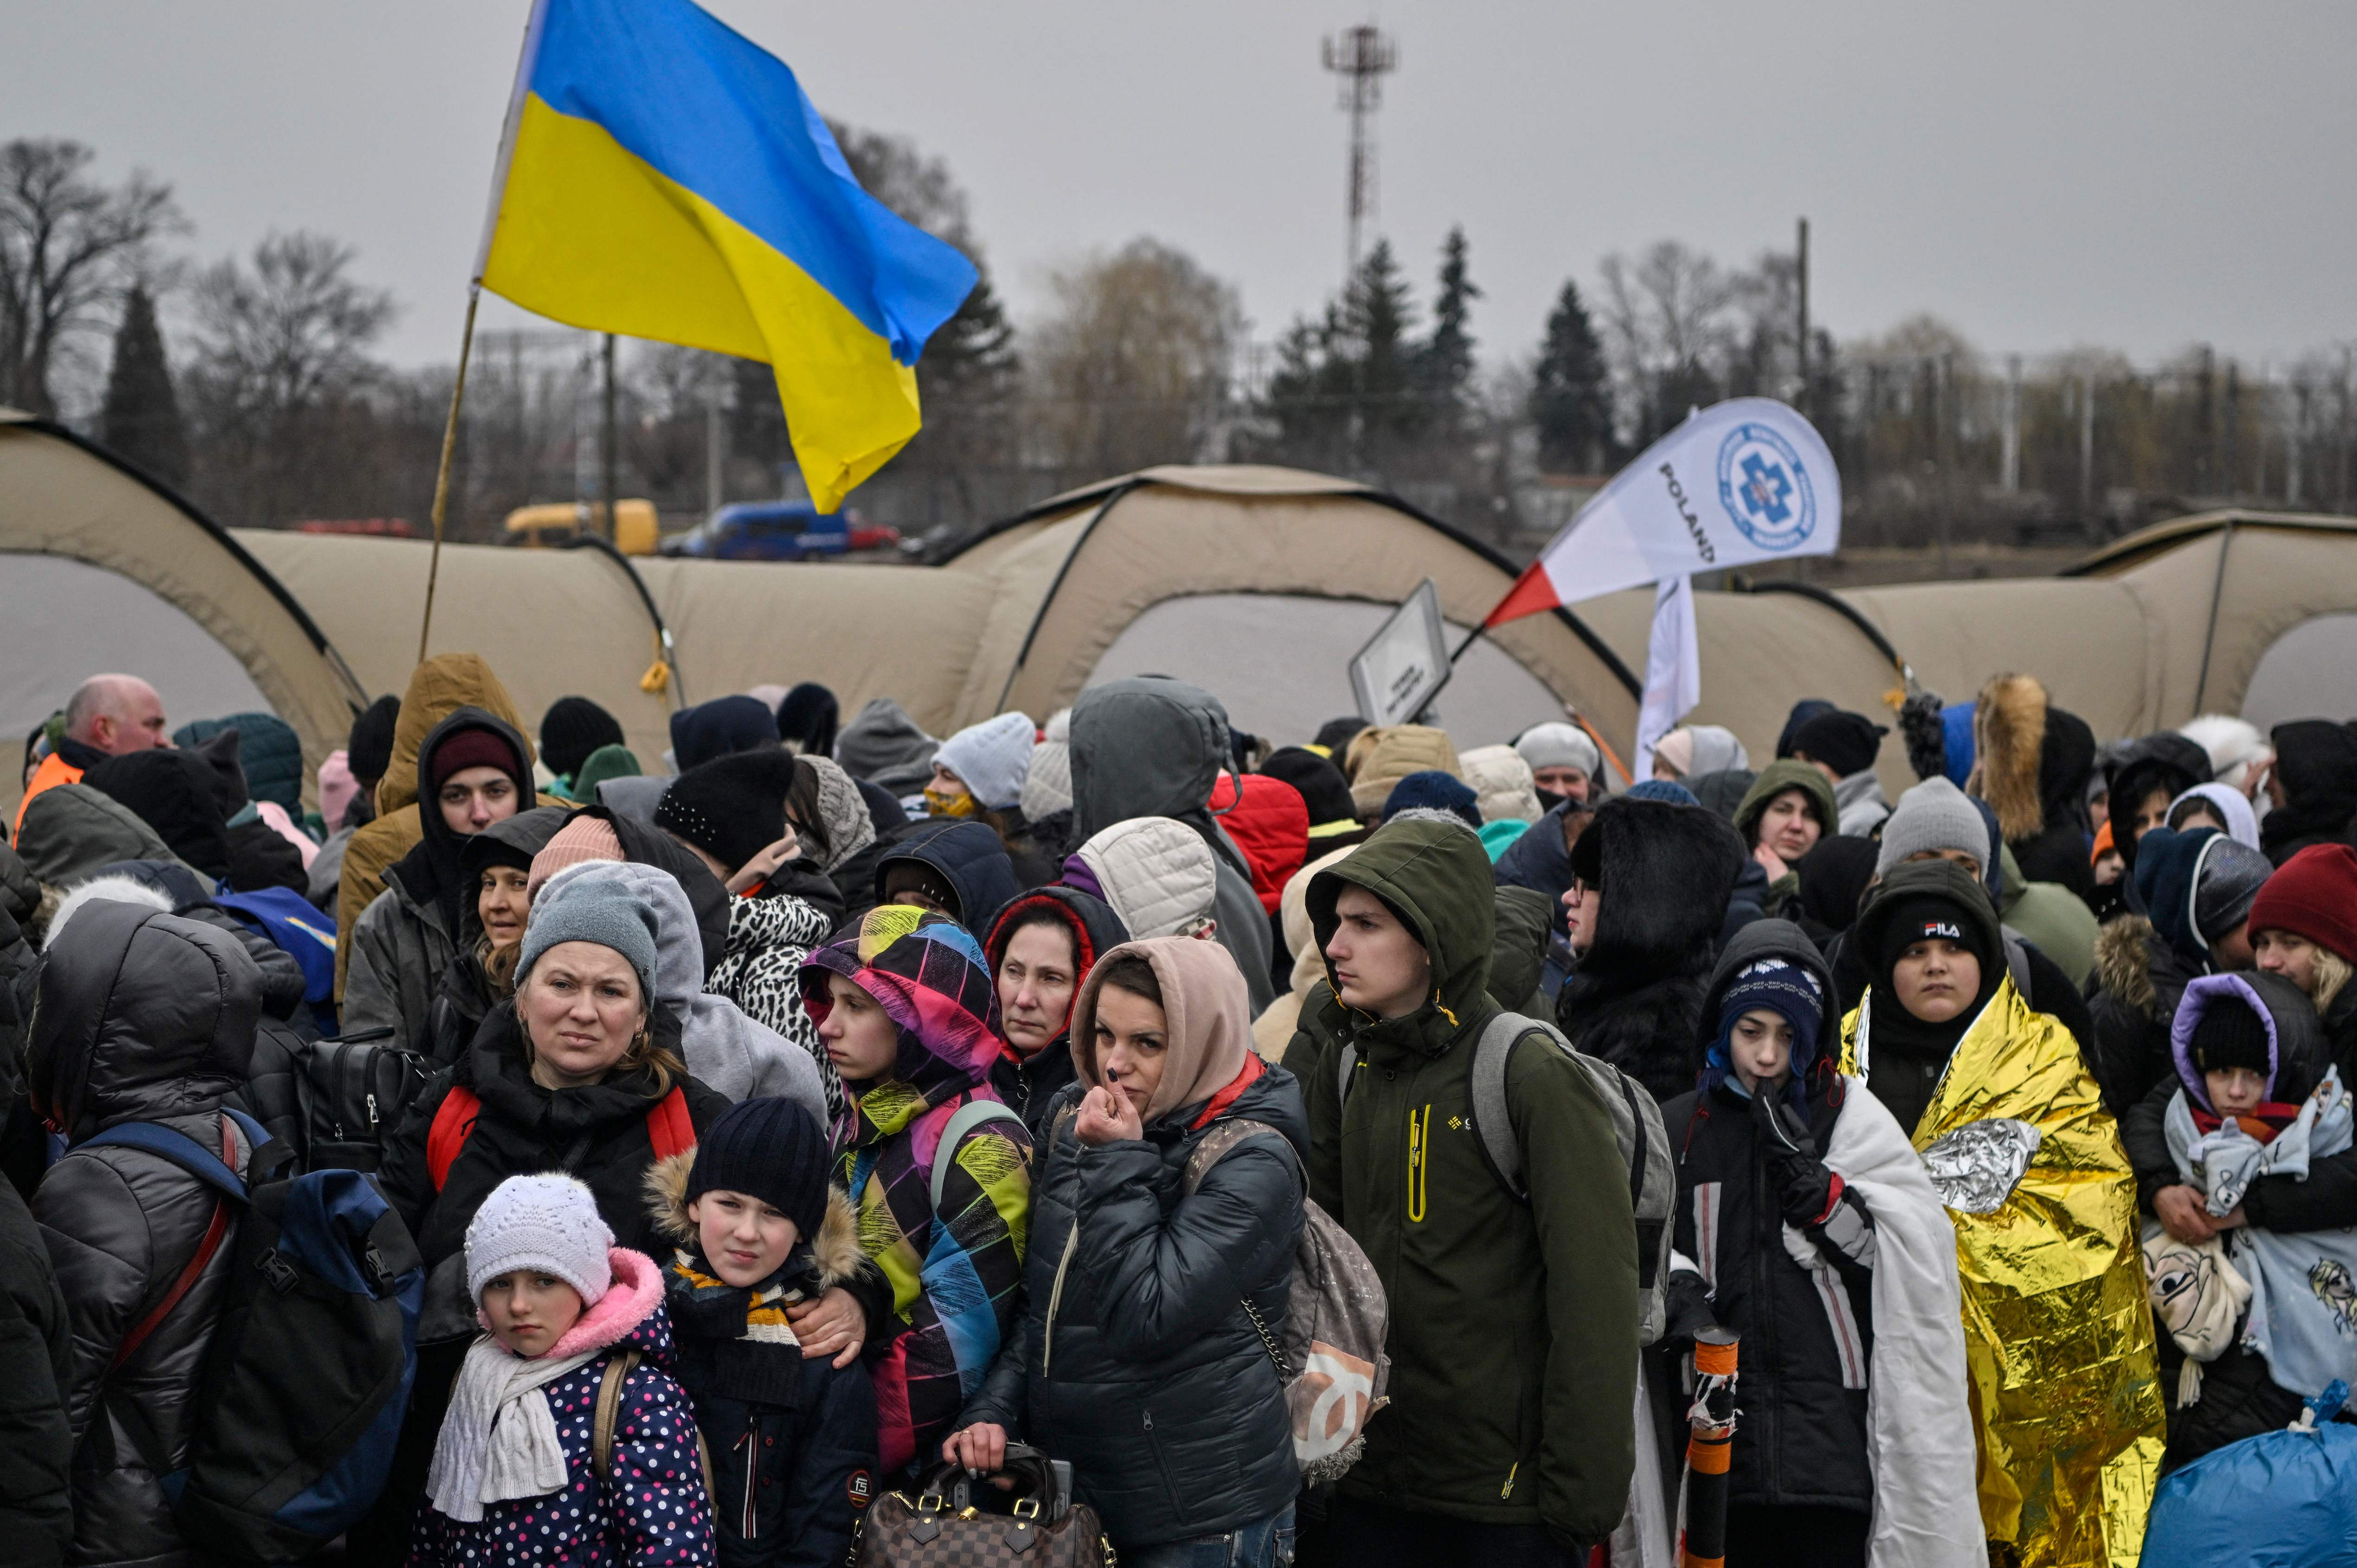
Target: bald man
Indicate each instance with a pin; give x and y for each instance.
(108, 715)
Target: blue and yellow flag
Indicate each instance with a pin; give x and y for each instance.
(663, 177)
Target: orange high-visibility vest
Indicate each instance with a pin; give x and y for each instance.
(53, 771)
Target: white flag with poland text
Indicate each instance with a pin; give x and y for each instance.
(1742, 481)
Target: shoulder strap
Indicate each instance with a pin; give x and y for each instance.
(180, 1149)
(2016, 964)
(198, 1161)
(1215, 1145)
(1486, 1091)
(453, 1121)
(618, 1367)
(669, 1128)
(972, 1115)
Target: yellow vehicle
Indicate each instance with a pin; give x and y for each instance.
(534, 526)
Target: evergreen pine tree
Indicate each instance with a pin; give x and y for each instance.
(1379, 317)
(140, 419)
(1447, 357)
(1571, 394)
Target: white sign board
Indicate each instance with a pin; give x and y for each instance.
(1404, 664)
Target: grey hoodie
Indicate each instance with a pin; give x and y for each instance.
(1151, 746)
(725, 1051)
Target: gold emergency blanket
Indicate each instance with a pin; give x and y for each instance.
(2058, 1334)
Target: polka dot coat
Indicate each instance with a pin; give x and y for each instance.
(649, 1512)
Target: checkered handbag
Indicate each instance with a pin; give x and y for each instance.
(942, 1526)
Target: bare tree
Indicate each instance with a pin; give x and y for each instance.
(1131, 368)
(281, 365)
(1667, 318)
(67, 245)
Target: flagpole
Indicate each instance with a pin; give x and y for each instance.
(442, 474)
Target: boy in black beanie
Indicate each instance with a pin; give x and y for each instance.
(793, 1436)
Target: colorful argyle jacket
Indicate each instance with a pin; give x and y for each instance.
(956, 1275)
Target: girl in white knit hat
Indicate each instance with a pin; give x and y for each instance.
(524, 1472)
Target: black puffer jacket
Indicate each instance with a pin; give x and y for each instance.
(144, 1017)
(1802, 1439)
(36, 1365)
(1153, 1381)
(597, 1133)
(1664, 873)
(2137, 982)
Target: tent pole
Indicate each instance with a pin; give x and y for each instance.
(442, 474)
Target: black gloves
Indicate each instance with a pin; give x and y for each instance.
(1804, 1188)
(1688, 1307)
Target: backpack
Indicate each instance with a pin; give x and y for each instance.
(306, 1378)
(350, 1094)
(1332, 1361)
(1637, 1128)
(669, 1130)
(965, 1119)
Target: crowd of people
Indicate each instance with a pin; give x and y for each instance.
(826, 1111)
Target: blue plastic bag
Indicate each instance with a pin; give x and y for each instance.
(2282, 1499)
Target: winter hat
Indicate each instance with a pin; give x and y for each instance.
(1934, 815)
(732, 807)
(585, 838)
(1336, 733)
(2103, 845)
(2227, 878)
(919, 876)
(807, 717)
(546, 1223)
(768, 1148)
(1047, 784)
(1558, 745)
(573, 728)
(2313, 894)
(2230, 1032)
(1502, 781)
(1956, 742)
(1845, 742)
(602, 765)
(991, 758)
(843, 815)
(370, 747)
(1158, 873)
(1807, 708)
(1435, 792)
(720, 727)
(1323, 788)
(2241, 822)
(177, 794)
(1665, 791)
(2235, 746)
(476, 746)
(1901, 918)
(337, 788)
(1775, 986)
(593, 910)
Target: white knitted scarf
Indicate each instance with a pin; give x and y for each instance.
(498, 1440)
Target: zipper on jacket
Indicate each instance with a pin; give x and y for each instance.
(1508, 1490)
(1056, 1300)
(1419, 1142)
(748, 1527)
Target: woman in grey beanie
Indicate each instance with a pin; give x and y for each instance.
(581, 1073)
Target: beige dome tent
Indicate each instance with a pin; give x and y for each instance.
(1257, 582)
(103, 569)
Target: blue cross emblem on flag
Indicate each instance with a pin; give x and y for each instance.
(1765, 487)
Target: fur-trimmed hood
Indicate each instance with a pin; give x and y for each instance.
(835, 1250)
(2123, 957)
(2010, 722)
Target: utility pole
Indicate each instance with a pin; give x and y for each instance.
(2087, 451)
(1800, 277)
(2009, 475)
(612, 446)
(716, 453)
(1361, 56)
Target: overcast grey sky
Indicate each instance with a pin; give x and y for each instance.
(2138, 174)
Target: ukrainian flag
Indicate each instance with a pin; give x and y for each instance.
(663, 177)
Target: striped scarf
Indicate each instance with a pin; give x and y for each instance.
(755, 1353)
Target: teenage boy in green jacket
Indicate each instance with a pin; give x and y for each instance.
(1508, 1438)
